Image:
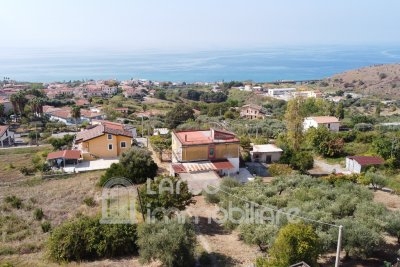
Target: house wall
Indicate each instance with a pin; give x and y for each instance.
(99, 146)
(275, 156)
(200, 152)
(308, 123)
(176, 149)
(251, 113)
(7, 138)
(334, 127)
(353, 165)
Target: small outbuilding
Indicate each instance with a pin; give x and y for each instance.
(358, 164)
(267, 153)
(64, 157)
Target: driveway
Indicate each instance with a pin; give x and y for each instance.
(323, 167)
(100, 164)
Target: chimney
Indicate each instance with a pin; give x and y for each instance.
(185, 137)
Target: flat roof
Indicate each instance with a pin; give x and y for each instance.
(266, 148)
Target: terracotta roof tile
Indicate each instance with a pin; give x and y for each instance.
(367, 160)
(325, 119)
(67, 154)
(3, 129)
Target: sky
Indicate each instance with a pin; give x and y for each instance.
(196, 24)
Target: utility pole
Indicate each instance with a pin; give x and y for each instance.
(142, 126)
(339, 244)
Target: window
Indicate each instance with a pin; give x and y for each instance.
(110, 147)
(123, 144)
(211, 152)
(109, 136)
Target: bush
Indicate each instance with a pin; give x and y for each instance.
(210, 196)
(27, 170)
(302, 161)
(38, 214)
(85, 239)
(14, 201)
(276, 169)
(178, 242)
(46, 226)
(89, 201)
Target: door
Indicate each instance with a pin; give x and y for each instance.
(268, 159)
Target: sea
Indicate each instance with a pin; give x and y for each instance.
(265, 64)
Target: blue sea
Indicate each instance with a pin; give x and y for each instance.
(256, 64)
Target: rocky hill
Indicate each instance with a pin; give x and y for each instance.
(378, 80)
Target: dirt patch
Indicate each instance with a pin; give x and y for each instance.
(226, 247)
(391, 201)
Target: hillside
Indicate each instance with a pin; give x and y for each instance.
(378, 80)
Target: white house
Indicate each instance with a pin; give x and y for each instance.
(265, 153)
(161, 131)
(358, 164)
(6, 136)
(332, 123)
(280, 91)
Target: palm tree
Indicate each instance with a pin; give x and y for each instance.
(21, 101)
(76, 114)
(13, 99)
(37, 106)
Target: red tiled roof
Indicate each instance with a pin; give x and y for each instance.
(90, 134)
(325, 119)
(367, 160)
(66, 154)
(223, 165)
(3, 129)
(99, 130)
(178, 168)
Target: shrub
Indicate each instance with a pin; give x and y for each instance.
(27, 170)
(210, 196)
(302, 161)
(14, 201)
(178, 242)
(38, 214)
(276, 169)
(86, 238)
(46, 226)
(89, 201)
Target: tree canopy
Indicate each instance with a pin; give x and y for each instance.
(179, 114)
(135, 164)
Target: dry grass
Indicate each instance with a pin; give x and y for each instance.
(11, 160)
(60, 200)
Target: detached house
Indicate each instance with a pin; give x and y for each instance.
(359, 164)
(252, 111)
(6, 136)
(332, 123)
(105, 140)
(199, 151)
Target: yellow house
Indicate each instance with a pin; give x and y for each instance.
(106, 140)
(219, 148)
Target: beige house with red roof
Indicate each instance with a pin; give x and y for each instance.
(330, 122)
(252, 111)
(104, 140)
(211, 150)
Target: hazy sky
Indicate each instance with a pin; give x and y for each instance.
(196, 24)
